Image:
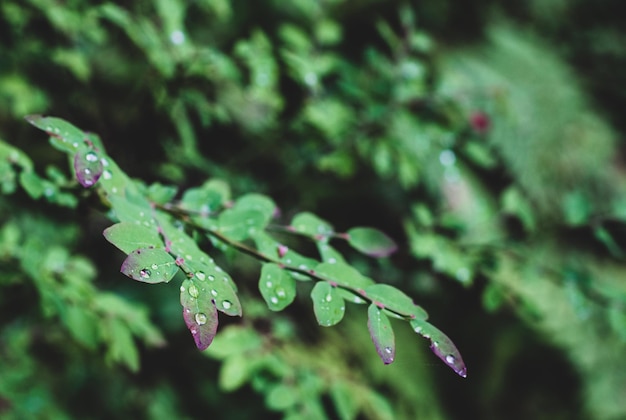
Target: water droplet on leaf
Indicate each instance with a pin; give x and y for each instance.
(200, 275)
(193, 291)
(226, 304)
(201, 318)
(145, 273)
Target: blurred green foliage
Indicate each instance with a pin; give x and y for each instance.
(459, 128)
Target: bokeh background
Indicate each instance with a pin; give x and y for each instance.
(485, 136)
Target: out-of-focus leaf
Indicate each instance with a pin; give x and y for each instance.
(311, 225)
(371, 242)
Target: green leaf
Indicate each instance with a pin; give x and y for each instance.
(258, 202)
(140, 213)
(382, 333)
(207, 198)
(328, 254)
(235, 339)
(199, 312)
(346, 400)
(150, 265)
(161, 194)
(395, 300)
(65, 136)
(128, 236)
(240, 224)
(311, 225)
(342, 274)
(371, 242)
(218, 284)
(441, 345)
(328, 305)
(277, 287)
(32, 184)
(272, 248)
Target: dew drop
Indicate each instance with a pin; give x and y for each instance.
(211, 277)
(107, 174)
(328, 298)
(200, 275)
(214, 292)
(91, 157)
(274, 300)
(201, 318)
(332, 260)
(182, 288)
(194, 331)
(154, 266)
(145, 273)
(226, 304)
(269, 284)
(388, 350)
(280, 292)
(450, 359)
(193, 291)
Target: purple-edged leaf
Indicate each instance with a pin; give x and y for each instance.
(150, 265)
(382, 334)
(199, 313)
(371, 242)
(88, 167)
(311, 225)
(328, 305)
(277, 287)
(441, 345)
(128, 236)
(342, 274)
(65, 136)
(395, 300)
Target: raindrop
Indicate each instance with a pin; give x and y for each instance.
(177, 37)
(269, 284)
(447, 157)
(418, 329)
(154, 266)
(211, 277)
(214, 292)
(450, 359)
(274, 300)
(201, 318)
(182, 288)
(200, 275)
(280, 292)
(193, 291)
(388, 350)
(91, 157)
(107, 174)
(145, 273)
(332, 260)
(328, 298)
(194, 331)
(226, 304)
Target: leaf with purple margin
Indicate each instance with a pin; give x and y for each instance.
(128, 236)
(441, 345)
(328, 306)
(371, 242)
(87, 167)
(395, 300)
(277, 287)
(199, 313)
(217, 284)
(382, 333)
(150, 265)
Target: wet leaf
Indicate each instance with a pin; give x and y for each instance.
(199, 313)
(277, 287)
(328, 305)
(258, 202)
(88, 167)
(311, 225)
(329, 254)
(371, 242)
(269, 246)
(65, 136)
(395, 300)
(128, 236)
(150, 265)
(441, 345)
(382, 333)
(217, 284)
